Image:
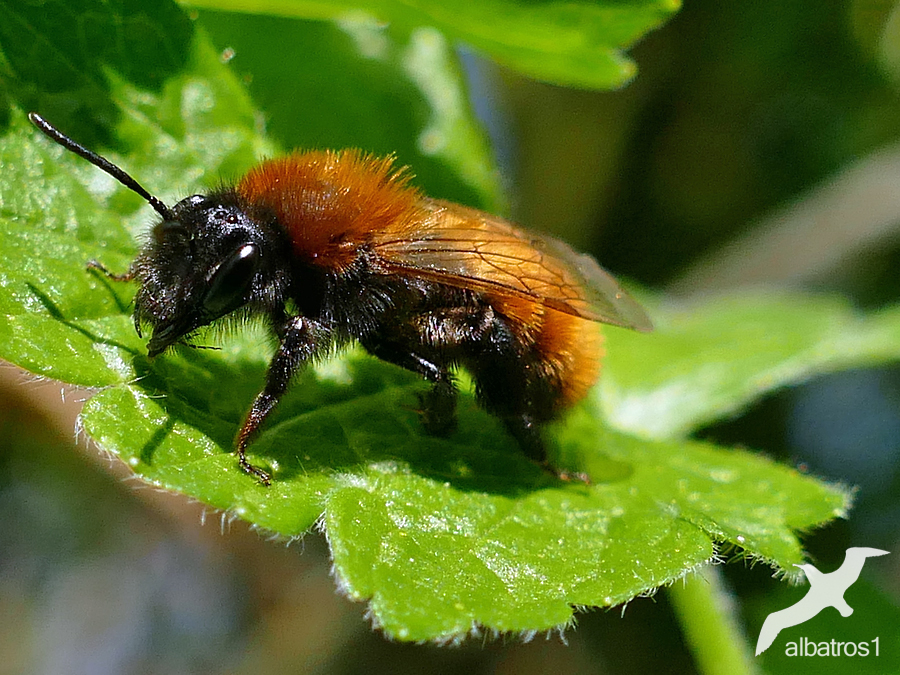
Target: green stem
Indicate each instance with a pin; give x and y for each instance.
(707, 613)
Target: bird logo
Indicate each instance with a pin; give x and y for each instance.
(825, 590)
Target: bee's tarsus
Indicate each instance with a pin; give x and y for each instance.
(100, 267)
(247, 467)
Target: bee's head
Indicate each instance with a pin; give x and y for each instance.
(203, 262)
(208, 257)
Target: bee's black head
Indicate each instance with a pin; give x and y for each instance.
(206, 261)
(208, 257)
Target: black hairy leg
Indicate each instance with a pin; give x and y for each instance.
(528, 435)
(100, 267)
(439, 407)
(438, 403)
(428, 342)
(510, 377)
(301, 340)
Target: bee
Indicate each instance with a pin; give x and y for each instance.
(331, 247)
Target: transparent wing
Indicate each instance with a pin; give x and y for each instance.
(468, 248)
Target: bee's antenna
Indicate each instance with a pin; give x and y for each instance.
(101, 163)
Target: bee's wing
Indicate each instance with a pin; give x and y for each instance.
(468, 248)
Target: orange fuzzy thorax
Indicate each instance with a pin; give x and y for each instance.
(330, 202)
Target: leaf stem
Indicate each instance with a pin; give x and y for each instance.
(707, 613)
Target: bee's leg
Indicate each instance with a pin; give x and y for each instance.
(112, 276)
(301, 340)
(528, 434)
(506, 385)
(100, 267)
(513, 384)
(439, 402)
(439, 406)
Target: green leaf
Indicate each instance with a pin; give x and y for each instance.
(440, 534)
(522, 560)
(397, 505)
(361, 83)
(576, 44)
(711, 358)
(54, 54)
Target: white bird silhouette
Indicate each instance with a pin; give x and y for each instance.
(825, 590)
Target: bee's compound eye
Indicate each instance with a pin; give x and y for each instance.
(231, 280)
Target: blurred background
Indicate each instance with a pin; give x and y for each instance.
(760, 143)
